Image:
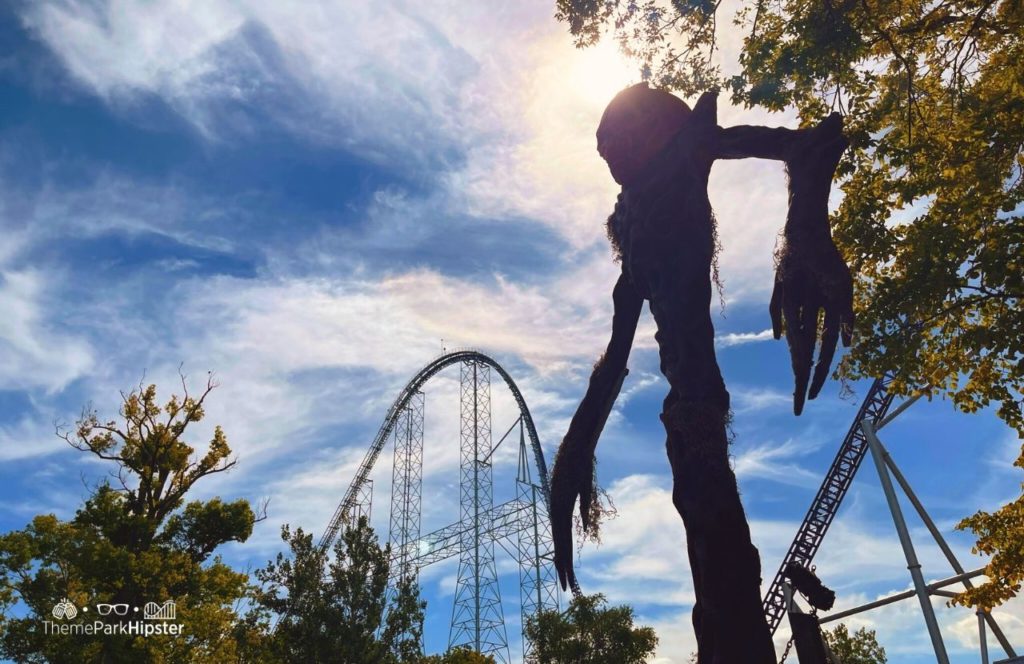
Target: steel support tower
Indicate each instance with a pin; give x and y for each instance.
(538, 584)
(477, 619)
(406, 489)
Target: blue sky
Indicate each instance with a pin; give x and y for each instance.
(306, 200)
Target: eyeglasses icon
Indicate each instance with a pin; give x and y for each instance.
(119, 609)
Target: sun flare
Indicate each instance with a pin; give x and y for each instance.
(598, 73)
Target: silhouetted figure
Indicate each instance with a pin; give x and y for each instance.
(663, 231)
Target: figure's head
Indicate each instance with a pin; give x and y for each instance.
(635, 126)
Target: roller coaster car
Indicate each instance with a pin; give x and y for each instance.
(810, 586)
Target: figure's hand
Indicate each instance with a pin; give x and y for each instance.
(572, 477)
(811, 276)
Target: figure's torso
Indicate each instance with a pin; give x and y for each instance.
(663, 229)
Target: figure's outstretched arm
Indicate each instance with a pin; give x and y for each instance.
(811, 275)
(573, 474)
(752, 141)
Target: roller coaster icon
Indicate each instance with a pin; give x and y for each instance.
(154, 611)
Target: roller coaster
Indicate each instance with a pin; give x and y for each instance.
(520, 525)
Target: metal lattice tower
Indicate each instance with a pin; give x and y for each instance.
(538, 584)
(520, 526)
(477, 619)
(406, 488)
(830, 495)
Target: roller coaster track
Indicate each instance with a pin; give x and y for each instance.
(830, 496)
(344, 510)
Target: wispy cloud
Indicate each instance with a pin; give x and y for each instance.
(778, 462)
(30, 437)
(35, 352)
(641, 564)
(754, 399)
(741, 338)
(504, 142)
(486, 231)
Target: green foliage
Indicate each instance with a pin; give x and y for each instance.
(1000, 535)
(589, 632)
(338, 611)
(459, 655)
(131, 544)
(672, 41)
(857, 648)
(933, 94)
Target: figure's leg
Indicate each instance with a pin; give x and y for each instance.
(728, 615)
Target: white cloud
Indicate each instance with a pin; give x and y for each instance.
(1002, 481)
(778, 463)
(965, 632)
(124, 46)
(641, 563)
(741, 338)
(754, 399)
(392, 324)
(27, 438)
(35, 352)
(676, 640)
(307, 368)
(337, 73)
(641, 559)
(508, 141)
(114, 204)
(900, 627)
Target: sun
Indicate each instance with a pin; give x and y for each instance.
(597, 73)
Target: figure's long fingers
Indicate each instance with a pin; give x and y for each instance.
(586, 498)
(563, 499)
(570, 577)
(800, 334)
(563, 567)
(561, 538)
(829, 338)
(808, 335)
(775, 309)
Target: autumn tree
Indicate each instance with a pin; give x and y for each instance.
(930, 221)
(339, 610)
(135, 540)
(1001, 536)
(861, 647)
(589, 631)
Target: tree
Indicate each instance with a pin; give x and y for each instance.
(933, 183)
(459, 655)
(589, 632)
(1000, 535)
(131, 543)
(857, 648)
(339, 611)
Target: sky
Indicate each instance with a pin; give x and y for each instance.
(313, 200)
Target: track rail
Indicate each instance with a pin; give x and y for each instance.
(344, 508)
(830, 495)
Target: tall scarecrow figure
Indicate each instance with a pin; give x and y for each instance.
(663, 231)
